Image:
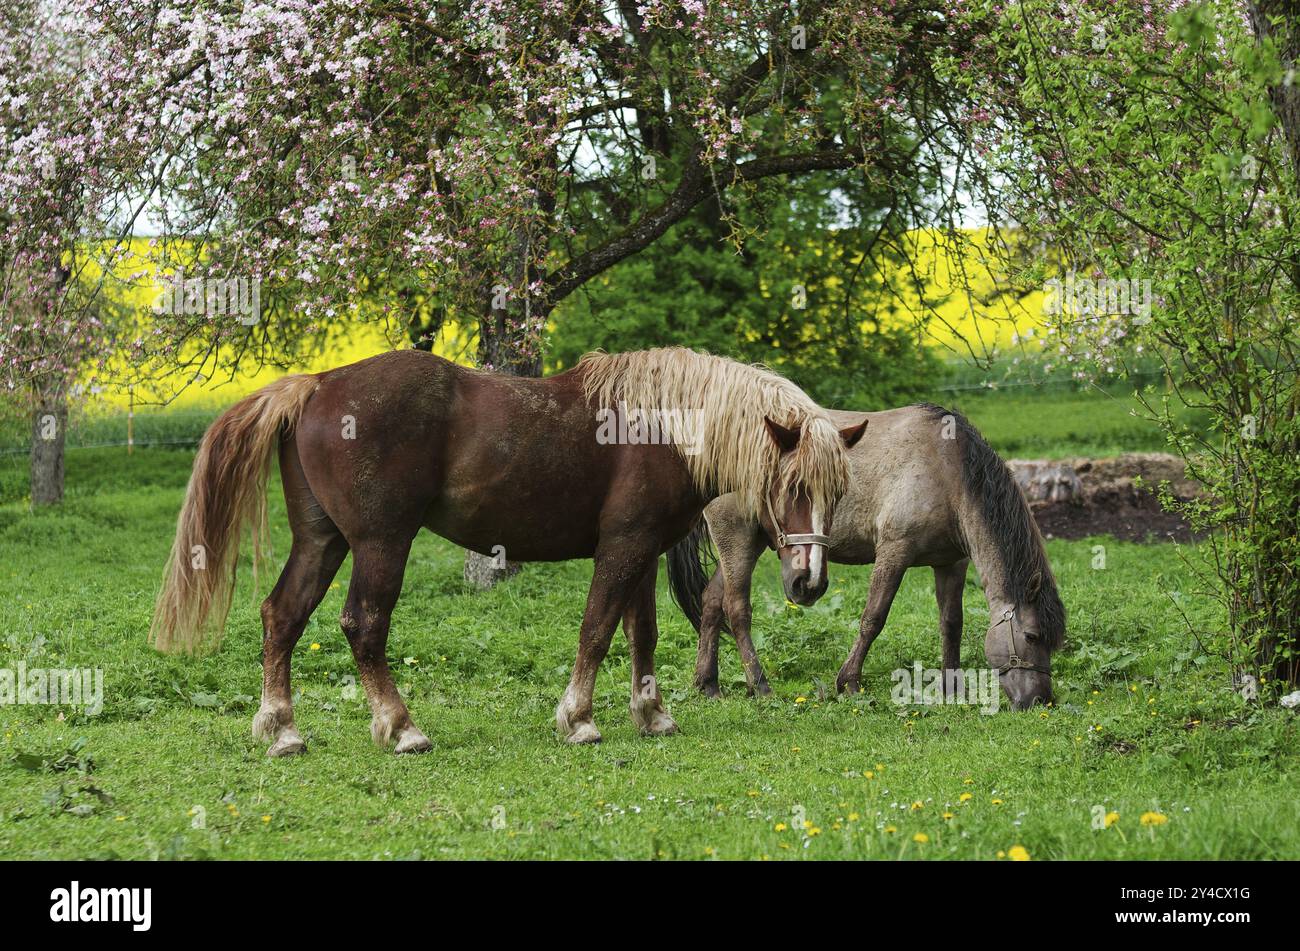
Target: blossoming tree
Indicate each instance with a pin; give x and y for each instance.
(1162, 146)
(472, 161)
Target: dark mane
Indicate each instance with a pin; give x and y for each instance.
(1024, 560)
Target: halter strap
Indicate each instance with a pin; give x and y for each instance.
(805, 538)
(1013, 659)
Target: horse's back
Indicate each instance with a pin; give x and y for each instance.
(905, 488)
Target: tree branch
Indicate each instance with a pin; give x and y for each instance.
(696, 185)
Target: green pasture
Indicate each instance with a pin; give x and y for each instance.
(1146, 731)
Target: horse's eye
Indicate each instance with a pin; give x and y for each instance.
(1031, 635)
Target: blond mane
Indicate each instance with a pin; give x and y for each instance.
(736, 454)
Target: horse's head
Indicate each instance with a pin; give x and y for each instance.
(1016, 647)
(797, 516)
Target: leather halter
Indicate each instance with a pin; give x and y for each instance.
(805, 538)
(1014, 662)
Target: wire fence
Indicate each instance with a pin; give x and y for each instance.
(163, 428)
(102, 430)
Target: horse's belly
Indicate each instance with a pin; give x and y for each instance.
(518, 539)
(518, 511)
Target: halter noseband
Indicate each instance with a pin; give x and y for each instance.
(1013, 659)
(806, 538)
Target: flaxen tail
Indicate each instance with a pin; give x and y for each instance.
(227, 491)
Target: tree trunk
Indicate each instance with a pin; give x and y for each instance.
(49, 427)
(483, 572)
(1286, 95)
(507, 343)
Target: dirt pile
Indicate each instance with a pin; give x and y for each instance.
(1077, 498)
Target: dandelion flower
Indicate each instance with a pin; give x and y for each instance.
(1154, 819)
(1018, 853)
(920, 838)
(315, 646)
(965, 797)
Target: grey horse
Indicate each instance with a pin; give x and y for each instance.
(924, 489)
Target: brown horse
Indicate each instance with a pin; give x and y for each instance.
(924, 489)
(612, 460)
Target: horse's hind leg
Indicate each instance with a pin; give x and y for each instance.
(729, 592)
(740, 614)
(949, 581)
(318, 550)
(377, 570)
(706, 651)
(312, 564)
(642, 630)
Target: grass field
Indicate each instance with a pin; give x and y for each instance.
(1144, 723)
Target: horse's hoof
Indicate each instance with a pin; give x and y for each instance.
(849, 687)
(267, 724)
(412, 740)
(710, 689)
(761, 689)
(661, 724)
(288, 743)
(583, 733)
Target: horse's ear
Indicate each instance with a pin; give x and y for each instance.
(785, 439)
(851, 434)
(1035, 585)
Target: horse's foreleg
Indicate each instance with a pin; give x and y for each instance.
(740, 615)
(885, 579)
(376, 582)
(949, 581)
(312, 564)
(616, 575)
(642, 630)
(706, 651)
